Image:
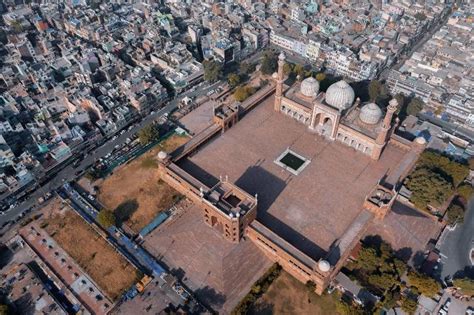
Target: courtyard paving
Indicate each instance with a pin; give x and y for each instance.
(219, 272)
(310, 210)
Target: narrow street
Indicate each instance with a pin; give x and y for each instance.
(69, 172)
(456, 246)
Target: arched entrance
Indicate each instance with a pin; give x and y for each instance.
(317, 120)
(327, 126)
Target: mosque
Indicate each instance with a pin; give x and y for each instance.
(336, 114)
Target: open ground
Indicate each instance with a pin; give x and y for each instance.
(310, 210)
(109, 269)
(135, 192)
(286, 295)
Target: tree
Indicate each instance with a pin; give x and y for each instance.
(287, 68)
(400, 100)
(106, 218)
(269, 63)
(453, 171)
(455, 213)
(246, 68)
(391, 299)
(428, 187)
(465, 191)
(233, 79)
(298, 70)
(3, 309)
(375, 90)
(383, 281)
(345, 308)
(148, 134)
(212, 70)
(243, 92)
(424, 284)
(320, 76)
(415, 106)
(368, 259)
(409, 305)
(466, 285)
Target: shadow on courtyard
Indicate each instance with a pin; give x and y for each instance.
(198, 173)
(401, 209)
(256, 180)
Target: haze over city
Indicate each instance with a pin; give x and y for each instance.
(237, 157)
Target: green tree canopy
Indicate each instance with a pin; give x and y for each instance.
(428, 187)
(148, 134)
(376, 89)
(233, 79)
(269, 63)
(454, 171)
(455, 213)
(466, 285)
(424, 284)
(3, 309)
(415, 106)
(241, 93)
(320, 76)
(465, 191)
(212, 70)
(106, 218)
(246, 68)
(409, 305)
(377, 268)
(299, 70)
(287, 68)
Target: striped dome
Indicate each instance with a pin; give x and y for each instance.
(370, 114)
(309, 87)
(340, 95)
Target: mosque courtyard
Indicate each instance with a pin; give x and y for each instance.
(311, 209)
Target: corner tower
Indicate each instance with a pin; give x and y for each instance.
(279, 82)
(386, 126)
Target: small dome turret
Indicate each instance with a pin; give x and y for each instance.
(324, 265)
(162, 155)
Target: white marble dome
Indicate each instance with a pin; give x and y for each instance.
(324, 265)
(340, 95)
(370, 114)
(309, 87)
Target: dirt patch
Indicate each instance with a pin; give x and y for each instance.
(287, 295)
(135, 191)
(112, 272)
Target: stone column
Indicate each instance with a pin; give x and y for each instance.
(279, 82)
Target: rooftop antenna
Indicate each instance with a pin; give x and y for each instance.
(201, 192)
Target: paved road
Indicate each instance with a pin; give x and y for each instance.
(455, 248)
(68, 173)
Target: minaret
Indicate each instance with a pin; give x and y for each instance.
(386, 125)
(279, 82)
